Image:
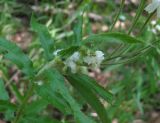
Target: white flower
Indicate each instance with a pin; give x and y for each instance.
(153, 22)
(89, 60)
(75, 57)
(99, 56)
(158, 27)
(71, 62)
(153, 6)
(72, 65)
(94, 60)
(56, 52)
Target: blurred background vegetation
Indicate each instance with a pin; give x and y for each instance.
(136, 84)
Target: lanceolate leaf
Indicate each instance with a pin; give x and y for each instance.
(15, 54)
(45, 38)
(111, 37)
(88, 94)
(57, 85)
(92, 84)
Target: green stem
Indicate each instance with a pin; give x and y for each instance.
(117, 16)
(22, 106)
(139, 12)
(133, 55)
(148, 19)
(129, 60)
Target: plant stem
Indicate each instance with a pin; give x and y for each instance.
(148, 19)
(22, 106)
(139, 12)
(117, 16)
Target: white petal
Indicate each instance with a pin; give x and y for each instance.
(72, 65)
(75, 57)
(158, 27)
(89, 60)
(99, 54)
(99, 57)
(57, 51)
(152, 7)
(153, 22)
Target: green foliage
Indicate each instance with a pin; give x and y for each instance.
(14, 54)
(45, 38)
(61, 80)
(111, 37)
(4, 94)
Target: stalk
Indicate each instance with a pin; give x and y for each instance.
(118, 14)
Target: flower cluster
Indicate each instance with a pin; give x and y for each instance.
(155, 27)
(71, 62)
(93, 60)
(155, 5)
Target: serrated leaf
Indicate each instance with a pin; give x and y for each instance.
(46, 40)
(3, 92)
(88, 94)
(15, 55)
(57, 85)
(111, 37)
(91, 83)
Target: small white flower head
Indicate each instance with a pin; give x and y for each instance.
(56, 52)
(99, 56)
(94, 60)
(72, 65)
(153, 22)
(89, 60)
(71, 62)
(158, 27)
(75, 57)
(39, 83)
(153, 6)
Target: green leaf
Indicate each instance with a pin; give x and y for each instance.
(46, 40)
(68, 52)
(3, 92)
(16, 92)
(15, 54)
(35, 107)
(6, 105)
(78, 30)
(88, 94)
(91, 83)
(47, 93)
(57, 85)
(38, 119)
(111, 37)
